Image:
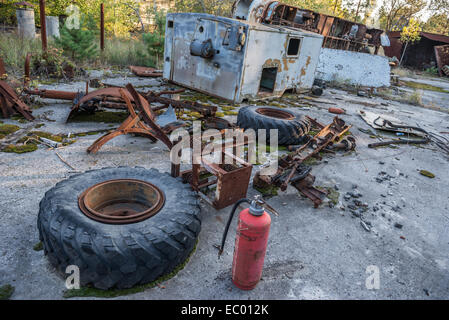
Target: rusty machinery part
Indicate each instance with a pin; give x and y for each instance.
(147, 116)
(347, 143)
(203, 49)
(145, 72)
(121, 201)
(90, 101)
(140, 123)
(123, 255)
(10, 103)
(205, 111)
(231, 177)
(291, 169)
(292, 127)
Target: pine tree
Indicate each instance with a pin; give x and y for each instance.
(78, 43)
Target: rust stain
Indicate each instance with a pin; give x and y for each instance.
(273, 63)
(308, 61)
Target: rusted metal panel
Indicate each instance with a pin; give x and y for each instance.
(220, 75)
(242, 52)
(442, 57)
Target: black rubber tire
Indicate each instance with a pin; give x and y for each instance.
(290, 132)
(119, 256)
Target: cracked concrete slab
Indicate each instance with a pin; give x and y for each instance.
(312, 253)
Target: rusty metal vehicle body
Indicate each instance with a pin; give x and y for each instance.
(238, 60)
(339, 33)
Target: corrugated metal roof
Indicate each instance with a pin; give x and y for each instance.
(428, 35)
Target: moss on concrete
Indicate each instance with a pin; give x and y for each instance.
(333, 195)
(100, 116)
(19, 118)
(6, 292)
(94, 292)
(47, 135)
(269, 190)
(6, 129)
(231, 113)
(427, 174)
(424, 86)
(30, 147)
(38, 246)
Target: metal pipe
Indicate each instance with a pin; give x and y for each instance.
(43, 25)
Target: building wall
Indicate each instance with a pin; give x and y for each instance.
(353, 67)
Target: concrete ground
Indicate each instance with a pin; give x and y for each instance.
(312, 253)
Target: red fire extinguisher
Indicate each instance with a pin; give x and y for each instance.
(250, 244)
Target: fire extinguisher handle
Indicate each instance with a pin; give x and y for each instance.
(225, 233)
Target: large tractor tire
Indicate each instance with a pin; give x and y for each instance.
(118, 255)
(292, 127)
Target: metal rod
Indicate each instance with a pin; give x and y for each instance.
(102, 27)
(43, 25)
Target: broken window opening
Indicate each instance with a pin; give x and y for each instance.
(268, 80)
(293, 47)
(170, 24)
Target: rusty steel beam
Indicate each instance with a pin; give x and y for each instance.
(43, 25)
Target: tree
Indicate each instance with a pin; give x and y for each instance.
(394, 14)
(358, 10)
(439, 21)
(410, 34)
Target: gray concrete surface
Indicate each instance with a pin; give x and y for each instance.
(312, 253)
(355, 68)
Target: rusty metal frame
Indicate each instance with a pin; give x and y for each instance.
(231, 180)
(141, 122)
